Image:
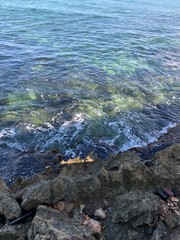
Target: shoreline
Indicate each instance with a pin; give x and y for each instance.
(93, 199)
(37, 162)
(172, 136)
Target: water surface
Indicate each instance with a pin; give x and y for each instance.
(82, 76)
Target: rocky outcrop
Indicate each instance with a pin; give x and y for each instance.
(76, 182)
(52, 224)
(118, 196)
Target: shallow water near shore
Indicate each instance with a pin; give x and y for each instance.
(85, 76)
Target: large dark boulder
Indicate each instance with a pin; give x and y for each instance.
(136, 208)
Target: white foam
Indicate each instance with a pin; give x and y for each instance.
(137, 142)
(77, 118)
(71, 132)
(42, 97)
(29, 127)
(7, 132)
(17, 146)
(70, 153)
(67, 132)
(45, 127)
(143, 139)
(165, 129)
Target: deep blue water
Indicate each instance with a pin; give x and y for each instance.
(82, 76)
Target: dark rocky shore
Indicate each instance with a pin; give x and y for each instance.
(124, 198)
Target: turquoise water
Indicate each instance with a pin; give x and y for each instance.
(82, 76)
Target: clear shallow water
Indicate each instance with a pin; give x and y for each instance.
(82, 76)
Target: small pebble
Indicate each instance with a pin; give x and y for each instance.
(88, 210)
(82, 206)
(177, 213)
(95, 226)
(174, 199)
(170, 204)
(168, 191)
(60, 206)
(100, 213)
(68, 207)
(87, 217)
(85, 223)
(161, 194)
(176, 192)
(55, 206)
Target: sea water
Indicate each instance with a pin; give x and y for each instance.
(85, 76)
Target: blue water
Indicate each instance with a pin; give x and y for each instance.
(82, 76)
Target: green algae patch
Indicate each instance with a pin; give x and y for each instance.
(21, 99)
(36, 118)
(8, 117)
(125, 103)
(22, 107)
(121, 63)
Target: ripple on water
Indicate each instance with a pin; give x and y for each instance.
(85, 76)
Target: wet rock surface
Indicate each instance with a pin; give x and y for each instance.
(95, 200)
